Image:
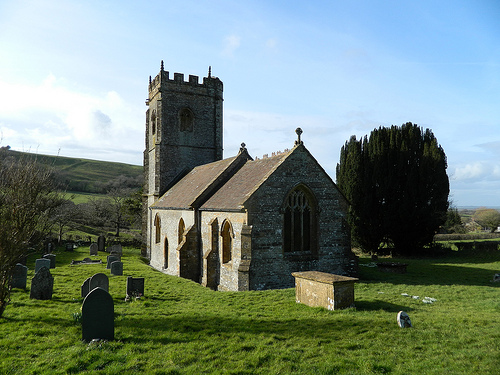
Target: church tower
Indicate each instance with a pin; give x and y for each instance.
(183, 130)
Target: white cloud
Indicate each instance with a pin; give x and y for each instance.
(231, 44)
(51, 116)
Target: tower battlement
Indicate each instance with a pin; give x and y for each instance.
(211, 86)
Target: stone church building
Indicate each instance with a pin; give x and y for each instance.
(237, 223)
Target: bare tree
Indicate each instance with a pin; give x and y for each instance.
(28, 199)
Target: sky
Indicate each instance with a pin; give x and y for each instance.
(74, 76)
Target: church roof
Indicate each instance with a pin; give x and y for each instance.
(234, 193)
(185, 192)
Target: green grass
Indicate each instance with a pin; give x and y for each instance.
(180, 327)
(79, 197)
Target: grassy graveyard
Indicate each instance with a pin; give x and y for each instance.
(179, 327)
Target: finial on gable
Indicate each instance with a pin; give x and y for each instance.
(243, 147)
(209, 71)
(162, 66)
(298, 131)
(149, 79)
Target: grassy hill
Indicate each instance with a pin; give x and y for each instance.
(87, 176)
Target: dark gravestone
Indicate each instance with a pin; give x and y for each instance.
(101, 243)
(52, 258)
(85, 288)
(135, 286)
(42, 284)
(50, 247)
(110, 259)
(93, 249)
(98, 316)
(117, 268)
(99, 280)
(19, 276)
(69, 246)
(39, 263)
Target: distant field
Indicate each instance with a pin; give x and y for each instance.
(83, 175)
(78, 197)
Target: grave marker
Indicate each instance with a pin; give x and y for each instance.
(117, 268)
(85, 288)
(110, 259)
(19, 276)
(135, 286)
(99, 280)
(52, 258)
(42, 284)
(101, 243)
(93, 249)
(39, 263)
(403, 320)
(98, 316)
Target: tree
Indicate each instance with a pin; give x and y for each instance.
(397, 185)
(27, 200)
(453, 222)
(488, 218)
(63, 217)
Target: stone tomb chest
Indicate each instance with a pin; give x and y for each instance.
(333, 292)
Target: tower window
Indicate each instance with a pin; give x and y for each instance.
(186, 120)
(299, 221)
(153, 123)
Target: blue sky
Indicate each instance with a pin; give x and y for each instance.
(74, 74)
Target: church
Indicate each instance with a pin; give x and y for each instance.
(239, 223)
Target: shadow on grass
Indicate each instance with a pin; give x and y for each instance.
(427, 273)
(184, 328)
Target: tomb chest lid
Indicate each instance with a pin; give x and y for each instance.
(323, 277)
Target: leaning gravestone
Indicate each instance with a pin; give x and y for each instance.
(42, 284)
(135, 286)
(110, 259)
(19, 276)
(117, 268)
(52, 258)
(101, 243)
(403, 320)
(98, 316)
(85, 288)
(94, 249)
(39, 263)
(99, 280)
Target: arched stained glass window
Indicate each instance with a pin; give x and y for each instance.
(299, 221)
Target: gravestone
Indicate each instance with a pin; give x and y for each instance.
(116, 248)
(42, 284)
(69, 246)
(85, 288)
(19, 276)
(50, 247)
(110, 259)
(403, 320)
(135, 286)
(117, 268)
(52, 258)
(101, 243)
(93, 249)
(99, 280)
(39, 263)
(98, 316)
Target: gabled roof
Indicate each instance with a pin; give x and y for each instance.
(199, 184)
(234, 193)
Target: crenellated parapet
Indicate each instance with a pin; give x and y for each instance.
(211, 86)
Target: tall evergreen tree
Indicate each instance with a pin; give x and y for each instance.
(397, 184)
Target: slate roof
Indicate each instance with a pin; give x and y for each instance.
(234, 193)
(185, 192)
